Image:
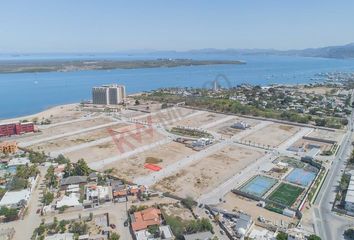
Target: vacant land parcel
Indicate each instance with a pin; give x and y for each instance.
(209, 172)
(272, 135)
(117, 146)
(162, 156)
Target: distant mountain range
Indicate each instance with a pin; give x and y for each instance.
(345, 51)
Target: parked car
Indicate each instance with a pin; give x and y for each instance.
(113, 226)
(126, 223)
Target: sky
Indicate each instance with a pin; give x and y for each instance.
(114, 25)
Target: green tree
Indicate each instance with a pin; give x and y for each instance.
(62, 226)
(282, 236)
(313, 237)
(51, 178)
(349, 233)
(17, 184)
(79, 228)
(48, 198)
(189, 202)
(10, 214)
(81, 168)
(68, 170)
(114, 236)
(61, 159)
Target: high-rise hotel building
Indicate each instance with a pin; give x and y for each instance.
(108, 94)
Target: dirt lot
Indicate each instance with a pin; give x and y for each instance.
(171, 114)
(238, 203)
(73, 140)
(65, 128)
(327, 135)
(109, 149)
(272, 135)
(225, 128)
(144, 105)
(209, 172)
(177, 210)
(166, 154)
(200, 120)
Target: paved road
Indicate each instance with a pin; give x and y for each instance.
(185, 162)
(24, 228)
(329, 225)
(260, 164)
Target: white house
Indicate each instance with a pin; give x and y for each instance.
(18, 162)
(349, 198)
(71, 201)
(15, 199)
(61, 236)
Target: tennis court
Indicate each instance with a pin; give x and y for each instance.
(301, 177)
(259, 185)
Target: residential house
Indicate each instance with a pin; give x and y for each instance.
(98, 194)
(15, 199)
(70, 201)
(79, 180)
(165, 234)
(243, 224)
(349, 198)
(143, 219)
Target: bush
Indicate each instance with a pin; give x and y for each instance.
(282, 236)
(349, 233)
(313, 237)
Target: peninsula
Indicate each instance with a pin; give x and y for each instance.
(80, 65)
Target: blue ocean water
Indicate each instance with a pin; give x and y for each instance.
(28, 93)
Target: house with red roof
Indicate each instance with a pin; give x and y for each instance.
(143, 219)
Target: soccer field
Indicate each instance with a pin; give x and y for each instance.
(286, 194)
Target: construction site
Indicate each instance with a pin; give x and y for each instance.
(208, 156)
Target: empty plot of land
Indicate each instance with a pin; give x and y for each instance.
(75, 140)
(129, 142)
(226, 129)
(327, 135)
(272, 135)
(178, 211)
(234, 202)
(201, 119)
(66, 128)
(162, 156)
(209, 172)
(171, 114)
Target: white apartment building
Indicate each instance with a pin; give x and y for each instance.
(108, 94)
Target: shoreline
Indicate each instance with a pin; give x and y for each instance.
(45, 113)
(51, 110)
